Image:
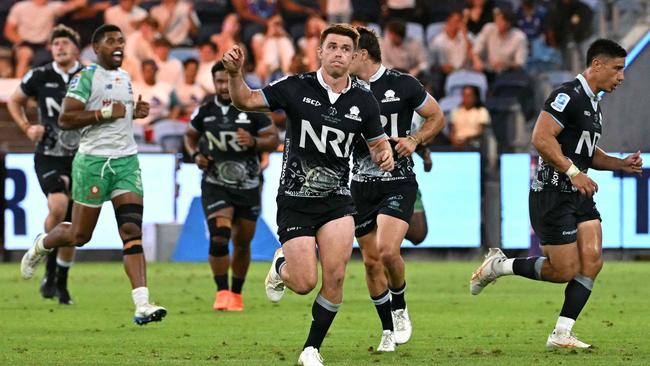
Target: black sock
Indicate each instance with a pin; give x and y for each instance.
(530, 267)
(382, 303)
(397, 297)
(237, 284)
(322, 314)
(278, 264)
(576, 294)
(62, 277)
(221, 281)
(50, 267)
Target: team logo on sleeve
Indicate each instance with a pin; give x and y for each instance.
(242, 118)
(560, 102)
(354, 113)
(389, 96)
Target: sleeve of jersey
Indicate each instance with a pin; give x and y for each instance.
(196, 121)
(29, 84)
(277, 93)
(372, 129)
(80, 86)
(417, 94)
(558, 105)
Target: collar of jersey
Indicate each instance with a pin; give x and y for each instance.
(319, 76)
(64, 74)
(378, 74)
(585, 86)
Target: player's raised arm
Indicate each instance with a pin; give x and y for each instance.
(632, 163)
(243, 97)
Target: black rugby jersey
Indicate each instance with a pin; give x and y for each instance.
(398, 95)
(318, 142)
(574, 107)
(235, 166)
(48, 85)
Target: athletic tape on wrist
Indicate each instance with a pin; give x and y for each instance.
(572, 171)
(107, 112)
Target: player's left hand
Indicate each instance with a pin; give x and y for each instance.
(385, 160)
(427, 162)
(141, 108)
(633, 163)
(244, 138)
(405, 146)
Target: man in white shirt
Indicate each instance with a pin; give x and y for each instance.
(176, 20)
(188, 91)
(505, 47)
(450, 47)
(126, 15)
(170, 69)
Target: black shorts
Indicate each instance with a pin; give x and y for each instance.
(50, 170)
(394, 198)
(246, 202)
(299, 216)
(555, 215)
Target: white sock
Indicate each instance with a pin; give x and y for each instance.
(39, 248)
(564, 324)
(140, 296)
(506, 267)
(63, 263)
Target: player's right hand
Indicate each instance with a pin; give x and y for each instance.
(584, 184)
(202, 161)
(119, 110)
(35, 132)
(233, 60)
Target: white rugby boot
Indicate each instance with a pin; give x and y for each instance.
(310, 357)
(273, 283)
(564, 339)
(149, 313)
(486, 273)
(402, 324)
(33, 257)
(387, 343)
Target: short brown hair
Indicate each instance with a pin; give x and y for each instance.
(343, 30)
(63, 31)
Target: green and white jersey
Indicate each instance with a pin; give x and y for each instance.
(97, 87)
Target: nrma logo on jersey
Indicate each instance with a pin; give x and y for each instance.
(622, 201)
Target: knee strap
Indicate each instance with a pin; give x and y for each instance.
(132, 245)
(219, 238)
(129, 213)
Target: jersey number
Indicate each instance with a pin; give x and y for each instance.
(336, 137)
(393, 124)
(587, 140)
(226, 138)
(52, 105)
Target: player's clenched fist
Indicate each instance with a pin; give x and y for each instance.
(233, 60)
(118, 111)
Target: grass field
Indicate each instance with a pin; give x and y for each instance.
(506, 325)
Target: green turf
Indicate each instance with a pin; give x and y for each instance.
(506, 325)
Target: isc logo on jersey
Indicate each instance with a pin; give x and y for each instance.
(560, 102)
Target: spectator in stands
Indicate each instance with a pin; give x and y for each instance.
(338, 11)
(189, 93)
(126, 15)
(570, 21)
(84, 20)
(530, 19)
(228, 37)
(505, 47)
(468, 120)
(212, 14)
(177, 20)
(170, 70)
(310, 43)
(273, 51)
(159, 95)
(451, 47)
(296, 12)
(139, 47)
(254, 15)
(399, 52)
(29, 25)
(477, 14)
(207, 59)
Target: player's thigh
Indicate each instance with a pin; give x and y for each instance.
(243, 231)
(58, 203)
(84, 220)
(390, 232)
(563, 258)
(590, 247)
(300, 257)
(368, 246)
(334, 240)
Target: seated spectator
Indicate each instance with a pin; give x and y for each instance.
(477, 14)
(468, 120)
(505, 47)
(212, 14)
(450, 48)
(139, 47)
(189, 93)
(158, 94)
(228, 37)
(126, 15)
(310, 43)
(274, 50)
(207, 59)
(530, 19)
(29, 25)
(170, 70)
(399, 52)
(177, 20)
(254, 16)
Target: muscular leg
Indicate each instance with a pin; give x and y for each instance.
(376, 278)
(243, 232)
(335, 247)
(219, 225)
(390, 234)
(76, 233)
(418, 228)
(130, 230)
(57, 204)
(299, 271)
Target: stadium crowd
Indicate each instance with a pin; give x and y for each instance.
(510, 51)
